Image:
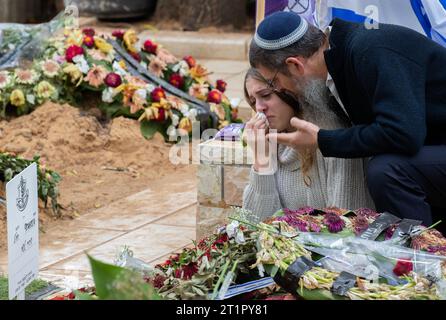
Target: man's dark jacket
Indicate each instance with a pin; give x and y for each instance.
(392, 82)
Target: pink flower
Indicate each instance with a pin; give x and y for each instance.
(157, 66)
(166, 56)
(96, 76)
(73, 51)
(89, 32)
(221, 85)
(113, 80)
(118, 34)
(176, 80)
(150, 47)
(333, 222)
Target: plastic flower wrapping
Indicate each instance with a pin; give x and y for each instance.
(302, 254)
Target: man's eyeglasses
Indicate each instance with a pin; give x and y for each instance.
(270, 83)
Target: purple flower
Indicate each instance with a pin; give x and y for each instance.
(368, 213)
(301, 211)
(314, 227)
(436, 249)
(333, 222)
(360, 224)
(295, 222)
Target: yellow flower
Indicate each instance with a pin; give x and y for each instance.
(150, 113)
(122, 64)
(17, 98)
(45, 90)
(185, 124)
(130, 39)
(103, 45)
(74, 73)
(199, 73)
(75, 37)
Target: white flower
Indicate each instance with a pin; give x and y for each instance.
(108, 95)
(50, 68)
(182, 67)
(171, 131)
(118, 69)
(231, 228)
(31, 98)
(81, 63)
(141, 93)
(235, 102)
(26, 76)
(184, 108)
(144, 65)
(175, 120)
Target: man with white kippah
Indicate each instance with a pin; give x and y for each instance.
(389, 83)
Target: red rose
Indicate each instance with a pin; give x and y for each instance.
(176, 80)
(136, 56)
(161, 115)
(221, 85)
(89, 41)
(73, 51)
(403, 267)
(214, 96)
(118, 34)
(150, 47)
(89, 32)
(190, 61)
(113, 80)
(158, 94)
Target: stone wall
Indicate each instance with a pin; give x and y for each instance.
(222, 176)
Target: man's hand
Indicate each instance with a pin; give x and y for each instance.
(305, 136)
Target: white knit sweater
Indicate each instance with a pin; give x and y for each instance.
(334, 181)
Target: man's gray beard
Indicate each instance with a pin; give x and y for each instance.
(314, 102)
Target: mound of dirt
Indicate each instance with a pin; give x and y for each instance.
(99, 163)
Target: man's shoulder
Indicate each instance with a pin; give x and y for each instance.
(359, 38)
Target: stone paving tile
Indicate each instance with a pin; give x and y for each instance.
(162, 198)
(186, 217)
(62, 242)
(147, 243)
(133, 212)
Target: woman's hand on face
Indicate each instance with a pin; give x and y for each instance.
(256, 130)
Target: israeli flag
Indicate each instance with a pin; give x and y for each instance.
(425, 16)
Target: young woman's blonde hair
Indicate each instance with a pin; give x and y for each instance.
(306, 158)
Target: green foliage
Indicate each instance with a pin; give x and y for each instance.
(33, 287)
(116, 283)
(47, 180)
